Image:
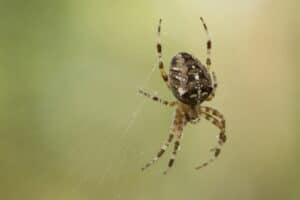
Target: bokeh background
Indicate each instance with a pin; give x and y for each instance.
(73, 127)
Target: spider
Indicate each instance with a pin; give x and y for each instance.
(192, 83)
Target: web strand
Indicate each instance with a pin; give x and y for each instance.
(131, 121)
(140, 105)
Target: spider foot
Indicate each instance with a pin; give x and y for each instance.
(166, 172)
(146, 166)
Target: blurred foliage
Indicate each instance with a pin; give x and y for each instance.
(69, 71)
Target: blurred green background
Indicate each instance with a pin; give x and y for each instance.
(69, 72)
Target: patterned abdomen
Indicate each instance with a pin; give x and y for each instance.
(189, 79)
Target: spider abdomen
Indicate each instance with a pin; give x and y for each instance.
(189, 79)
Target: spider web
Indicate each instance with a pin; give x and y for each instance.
(139, 106)
(130, 122)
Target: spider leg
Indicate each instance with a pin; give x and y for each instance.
(216, 113)
(163, 73)
(167, 143)
(208, 44)
(218, 120)
(208, 60)
(175, 150)
(163, 148)
(157, 99)
(215, 85)
(178, 134)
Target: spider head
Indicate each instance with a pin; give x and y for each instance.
(190, 81)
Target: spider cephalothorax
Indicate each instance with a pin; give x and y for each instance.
(192, 83)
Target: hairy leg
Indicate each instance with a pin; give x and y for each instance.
(157, 99)
(178, 127)
(217, 119)
(177, 123)
(163, 73)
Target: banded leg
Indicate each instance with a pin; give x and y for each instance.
(175, 150)
(157, 99)
(218, 120)
(213, 112)
(161, 152)
(164, 147)
(215, 85)
(208, 60)
(208, 44)
(178, 134)
(163, 73)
